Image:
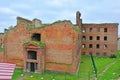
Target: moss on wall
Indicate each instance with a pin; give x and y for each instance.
(37, 43)
(75, 28)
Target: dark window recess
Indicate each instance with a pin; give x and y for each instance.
(97, 54)
(90, 46)
(36, 66)
(26, 65)
(83, 38)
(105, 46)
(104, 54)
(83, 30)
(32, 67)
(90, 38)
(36, 37)
(105, 38)
(105, 29)
(98, 37)
(97, 46)
(83, 45)
(32, 55)
(91, 29)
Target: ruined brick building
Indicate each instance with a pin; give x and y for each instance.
(99, 39)
(58, 46)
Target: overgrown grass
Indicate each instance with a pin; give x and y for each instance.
(17, 73)
(102, 62)
(112, 73)
(85, 71)
(85, 68)
(1, 49)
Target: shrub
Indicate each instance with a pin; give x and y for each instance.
(75, 28)
(113, 56)
(118, 53)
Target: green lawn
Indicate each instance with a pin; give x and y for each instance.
(112, 71)
(17, 73)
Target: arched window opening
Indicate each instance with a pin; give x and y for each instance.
(97, 46)
(36, 37)
(97, 54)
(105, 46)
(83, 46)
(83, 37)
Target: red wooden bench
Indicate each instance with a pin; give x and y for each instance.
(5, 77)
(6, 71)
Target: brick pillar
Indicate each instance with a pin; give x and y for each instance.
(25, 57)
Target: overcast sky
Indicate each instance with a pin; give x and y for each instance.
(92, 11)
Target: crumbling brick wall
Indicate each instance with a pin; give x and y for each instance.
(60, 40)
(1, 56)
(13, 45)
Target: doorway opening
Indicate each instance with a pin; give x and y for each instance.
(32, 67)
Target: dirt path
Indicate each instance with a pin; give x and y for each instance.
(106, 68)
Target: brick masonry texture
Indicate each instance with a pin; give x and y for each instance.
(62, 44)
(111, 42)
(59, 44)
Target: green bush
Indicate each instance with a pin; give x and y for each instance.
(118, 53)
(113, 56)
(75, 28)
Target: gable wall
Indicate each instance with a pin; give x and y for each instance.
(60, 39)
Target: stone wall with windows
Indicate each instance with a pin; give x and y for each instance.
(99, 39)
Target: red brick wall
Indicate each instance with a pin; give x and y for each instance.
(14, 44)
(112, 34)
(61, 43)
(1, 56)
